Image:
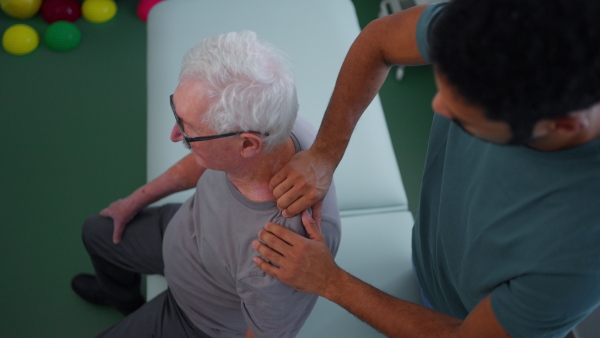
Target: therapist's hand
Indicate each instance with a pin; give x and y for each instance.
(303, 263)
(302, 183)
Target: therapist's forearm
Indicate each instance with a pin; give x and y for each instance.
(392, 316)
(399, 318)
(383, 43)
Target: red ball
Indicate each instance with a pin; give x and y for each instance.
(144, 7)
(60, 10)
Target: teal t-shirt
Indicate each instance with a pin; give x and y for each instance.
(519, 224)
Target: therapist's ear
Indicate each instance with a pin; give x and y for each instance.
(571, 123)
(565, 125)
(252, 145)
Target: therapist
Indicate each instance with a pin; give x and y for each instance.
(505, 242)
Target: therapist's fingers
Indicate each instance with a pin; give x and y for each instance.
(317, 211)
(292, 199)
(284, 234)
(267, 267)
(302, 203)
(302, 182)
(313, 229)
(290, 183)
(280, 184)
(268, 254)
(293, 174)
(278, 238)
(304, 264)
(278, 241)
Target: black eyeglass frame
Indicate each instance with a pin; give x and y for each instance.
(188, 140)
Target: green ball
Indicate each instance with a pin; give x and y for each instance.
(62, 35)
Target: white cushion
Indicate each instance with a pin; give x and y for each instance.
(375, 248)
(316, 34)
(376, 226)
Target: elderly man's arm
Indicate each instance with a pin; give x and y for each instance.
(384, 42)
(181, 176)
(307, 265)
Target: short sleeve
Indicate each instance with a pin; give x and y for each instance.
(273, 309)
(426, 21)
(524, 309)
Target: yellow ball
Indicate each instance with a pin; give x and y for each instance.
(21, 9)
(98, 11)
(20, 39)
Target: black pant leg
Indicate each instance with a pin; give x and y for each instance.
(160, 317)
(118, 266)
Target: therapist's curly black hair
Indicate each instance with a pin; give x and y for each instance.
(521, 60)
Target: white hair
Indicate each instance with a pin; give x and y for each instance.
(251, 85)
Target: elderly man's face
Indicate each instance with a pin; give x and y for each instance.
(191, 101)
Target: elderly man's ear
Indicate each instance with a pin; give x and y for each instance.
(252, 145)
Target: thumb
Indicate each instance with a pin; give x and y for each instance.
(312, 228)
(317, 211)
(118, 233)
(104, 212)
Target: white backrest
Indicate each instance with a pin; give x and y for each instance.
(317, 35)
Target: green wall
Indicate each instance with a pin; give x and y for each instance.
(73, 139)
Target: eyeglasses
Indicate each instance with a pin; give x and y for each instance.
(188, 140)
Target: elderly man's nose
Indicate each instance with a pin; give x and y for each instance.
(176, 134)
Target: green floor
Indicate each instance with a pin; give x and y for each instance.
(73, 135)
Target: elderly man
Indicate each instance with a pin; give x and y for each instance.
(235, 109)
(506, 237)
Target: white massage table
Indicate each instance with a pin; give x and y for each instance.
(376, 223)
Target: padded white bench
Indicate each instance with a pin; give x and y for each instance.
(376, 223)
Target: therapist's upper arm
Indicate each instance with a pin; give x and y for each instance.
(396, 36)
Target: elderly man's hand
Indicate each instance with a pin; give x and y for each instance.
(303, 182)
(121, 211)
(303, 263)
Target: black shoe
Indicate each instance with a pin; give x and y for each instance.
(86, 286)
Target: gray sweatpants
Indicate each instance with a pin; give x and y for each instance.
(119, 267)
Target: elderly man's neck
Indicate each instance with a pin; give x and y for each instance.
(252, 179)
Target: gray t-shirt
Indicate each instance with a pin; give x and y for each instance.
(208, 258)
